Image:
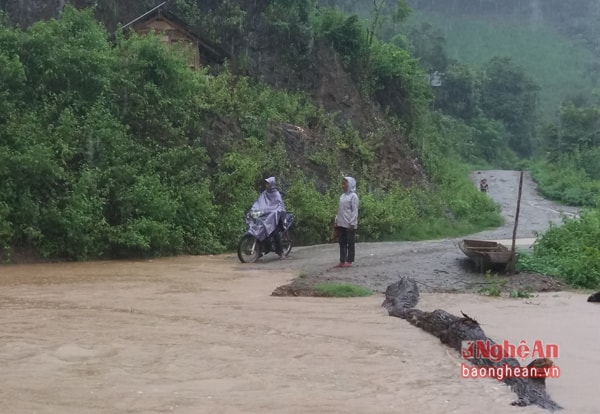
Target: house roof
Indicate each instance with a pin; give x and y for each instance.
(207, 48)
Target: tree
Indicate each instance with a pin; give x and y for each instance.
(509, 95)
(399, 82)
(399, 10)
(459, 93)
(429, 45)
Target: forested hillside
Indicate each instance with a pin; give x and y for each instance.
(111, 146)
(544, 56)
(556, 45)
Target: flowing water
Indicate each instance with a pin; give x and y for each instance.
(203, 335)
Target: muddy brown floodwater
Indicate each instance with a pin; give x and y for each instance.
(204, 335)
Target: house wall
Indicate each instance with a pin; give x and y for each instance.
(173, 36)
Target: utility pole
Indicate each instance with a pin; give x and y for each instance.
(513, 257)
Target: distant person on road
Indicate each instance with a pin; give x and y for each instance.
(483, 185)
(346, 221)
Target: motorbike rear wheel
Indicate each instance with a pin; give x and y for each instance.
(248, 249)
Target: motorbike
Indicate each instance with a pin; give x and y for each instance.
(256, 243)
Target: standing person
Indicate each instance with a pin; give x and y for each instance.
(347, 221)
(483, 185)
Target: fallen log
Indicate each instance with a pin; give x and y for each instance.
(400, 300)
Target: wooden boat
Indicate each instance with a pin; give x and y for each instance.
(485, 253)
(488, 254)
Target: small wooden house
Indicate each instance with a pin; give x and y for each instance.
(175, 33)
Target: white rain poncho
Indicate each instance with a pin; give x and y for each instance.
(273, 208)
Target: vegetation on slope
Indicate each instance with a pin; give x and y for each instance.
(562, 67)
(114, 148)
(111, 150)
(457, 38)
(569, 251)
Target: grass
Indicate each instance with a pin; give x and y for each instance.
(565, 181)
(520, 293)
(496, 285)
(442, 228)
(342, 290)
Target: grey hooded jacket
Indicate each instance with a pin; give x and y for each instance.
(347, 214)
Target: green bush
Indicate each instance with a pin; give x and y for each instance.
(346, 34)
(569, 251)
(399, 83)
(118, 149)
(384, 215)
(340, 290)
(314, 212)
(566, 180)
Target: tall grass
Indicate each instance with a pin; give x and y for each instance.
(342, 290)
(564, 180)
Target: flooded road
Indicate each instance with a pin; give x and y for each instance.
(203, 335)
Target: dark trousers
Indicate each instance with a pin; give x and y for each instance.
(277, 240)
(346, 238)
(277, 237)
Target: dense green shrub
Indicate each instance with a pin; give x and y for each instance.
(569, 251)
(384, 215)
(314, 211)
(399, 82)
(120, 150)
(346, 34)
(566, 180)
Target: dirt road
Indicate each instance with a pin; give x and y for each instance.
(204, 335)
(438, 265)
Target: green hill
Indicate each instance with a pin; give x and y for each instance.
(558, 64)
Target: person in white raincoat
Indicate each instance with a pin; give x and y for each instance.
(346, 221)
(271, 204)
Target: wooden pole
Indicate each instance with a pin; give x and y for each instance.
(511, 263)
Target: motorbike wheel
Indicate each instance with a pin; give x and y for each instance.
(286, 243)
(248, 249)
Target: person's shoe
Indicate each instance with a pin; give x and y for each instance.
(347, 264)
(339, 265)
(282, 257)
